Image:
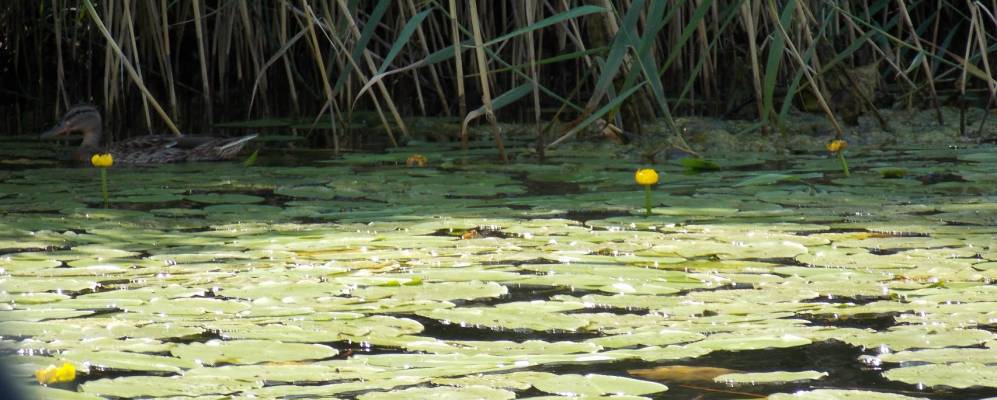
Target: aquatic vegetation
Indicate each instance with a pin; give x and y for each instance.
(358, 276)
(693, 164)
(837, 147)
(103, 162)
(646, 177)
(52, 374)
(416, 160)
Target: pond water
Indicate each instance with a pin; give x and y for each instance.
(309, 276)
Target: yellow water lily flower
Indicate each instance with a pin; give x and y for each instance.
(416, 160)
(102, 160)
(53, 374)
(837, 145)
(646, 176)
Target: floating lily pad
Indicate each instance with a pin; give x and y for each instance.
(834, 394)
(251, 352)
(770, 377)
(154, 386)
(596, 385)
(736, 342)
(443, 392)
(958, 375)
(506, 318)
(128, 361)
(649, 338)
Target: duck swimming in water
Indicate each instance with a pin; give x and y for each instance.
(149, 149)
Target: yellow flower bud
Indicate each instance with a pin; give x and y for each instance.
(102, 160)
(646, 176)
(53, 374)
(837, 145)
(416, 160)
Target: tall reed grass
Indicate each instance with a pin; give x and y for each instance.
(167, 64)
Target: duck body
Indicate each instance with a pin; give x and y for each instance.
(142, 150)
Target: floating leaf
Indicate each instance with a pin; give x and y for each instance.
(596, 385)
(681, 373)
(251, 352)
(957, 375)
(693, 164)
(769, 377)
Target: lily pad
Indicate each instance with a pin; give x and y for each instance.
(155, 386)
(770, 377)
(251, 352)
(443, 392)
(835, 394)
(596, 385)
(958, 375)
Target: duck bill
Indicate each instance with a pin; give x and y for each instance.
(55, 131)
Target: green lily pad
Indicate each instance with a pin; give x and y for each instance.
(128, 361)
(739, 342)
(155, 386)
(251, 352)
(649, 337)
(596, 385)
(443, 392)
(941, 356)
(958, 375)
(769, 377)
(835, 394)
(506, 318)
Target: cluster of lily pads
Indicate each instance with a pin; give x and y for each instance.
(356, 277)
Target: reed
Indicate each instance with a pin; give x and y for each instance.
(164, 64)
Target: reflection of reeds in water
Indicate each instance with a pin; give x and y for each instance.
(616, 61)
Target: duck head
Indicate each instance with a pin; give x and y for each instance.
(82, 118)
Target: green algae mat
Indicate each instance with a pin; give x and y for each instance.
(360, 277)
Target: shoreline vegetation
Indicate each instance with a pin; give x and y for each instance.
(352, 73)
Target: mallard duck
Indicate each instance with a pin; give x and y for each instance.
(149, 149)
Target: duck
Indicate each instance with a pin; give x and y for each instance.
(142, 150)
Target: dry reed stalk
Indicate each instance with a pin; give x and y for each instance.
(110, 71)
(421, 101)
(530, 11)
(978, 27)
(704, 51)
(964, 76)
(128, 25)
(166, 61)
(928, 74)
(348, 93)
(459, 68)
(136, 79)
(791, 47)
(434, 76)
(60, 71)
(282, 37)
(486, 95)
(320, 64)
(251, 44)
(382, 88)
(202, 59)
(748, 18)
